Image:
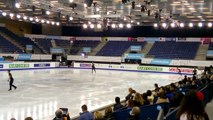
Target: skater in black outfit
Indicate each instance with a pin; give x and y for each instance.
(93, 68)
(179, 71)
(11, 80)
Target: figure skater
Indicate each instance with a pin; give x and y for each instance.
(93, 68)
(11, 80)
(179, 71)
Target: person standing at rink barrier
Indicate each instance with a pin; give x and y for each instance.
(93, 68)
(11, 80)
(195, 71)
(179, 71)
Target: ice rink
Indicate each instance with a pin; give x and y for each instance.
(41, 92)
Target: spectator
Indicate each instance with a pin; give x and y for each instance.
(191, 107)
(59, 115)
(28, 118)
(138, 100)
(150, 96)
(130, 104)
(12, 119)
(134, 114)
(162, 98)
(156, 87)
(145, 98)
(118, 104)
(129, 96)
(108, 114)
(85, 115)
(98, 116)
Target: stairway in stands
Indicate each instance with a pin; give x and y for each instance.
(147, 48)
(201, 52)
(98, 48)
(11, 40)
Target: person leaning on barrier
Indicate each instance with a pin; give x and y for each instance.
(60, 116)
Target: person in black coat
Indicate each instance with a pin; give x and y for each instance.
(11, 80)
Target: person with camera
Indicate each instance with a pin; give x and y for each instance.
(61, 115)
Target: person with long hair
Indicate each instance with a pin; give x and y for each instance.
(192, 107)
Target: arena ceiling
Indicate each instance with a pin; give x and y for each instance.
(136, 12)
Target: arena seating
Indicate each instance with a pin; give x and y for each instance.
(117, 48)
(174, 50)
(8, 47)
(78, 44)
(210, 46)
(23, 41)
(44, 43)
(62, 43)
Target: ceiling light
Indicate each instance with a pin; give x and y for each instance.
(164, 25)
(17, 5)
(155, 25)
(42, 21)
(209, 24)
(18, 16)
(172, 25)
(128, 25)
(57, 23)
(47, 12)
(4, 14)
(138, 23)
(25, 17)
(132, 21)
(113, 25)
(92, 26)
(97, 9)
(181, 25)
(85, 5)
(53, 23)
(11, 15)
(71, 1)
(121, 25)
(89, 22)
(124, 19)
(70, 18)
(31, 19)
(48, 22)
(85, 26)
(98, 26)
(37, 20)
(191, 24)
(200, 24)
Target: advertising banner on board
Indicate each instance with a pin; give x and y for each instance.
(1, 65)
(42, 65)
(135, 48)
(161, 61)
(150, 68)
(24, 57)
(19, 65)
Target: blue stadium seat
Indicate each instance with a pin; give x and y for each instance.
(174, 50)
(147, 112)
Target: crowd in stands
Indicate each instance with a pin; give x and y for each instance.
(184, 95)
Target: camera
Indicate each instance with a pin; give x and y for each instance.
(65, 111)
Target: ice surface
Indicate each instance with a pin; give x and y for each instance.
(41, 92)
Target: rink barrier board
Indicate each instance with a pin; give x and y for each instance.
(152, 61)
(136, 68)
(28, 65)
(133, 71)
